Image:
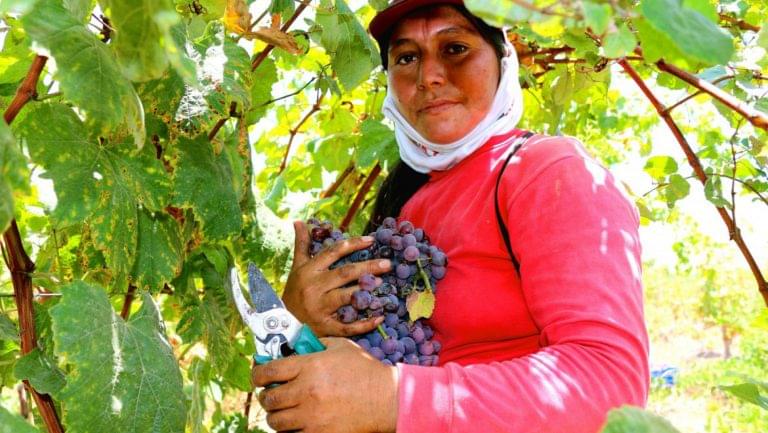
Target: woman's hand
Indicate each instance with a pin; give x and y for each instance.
(342, 389)
(314, 293)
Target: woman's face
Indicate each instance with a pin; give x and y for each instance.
(442, 72)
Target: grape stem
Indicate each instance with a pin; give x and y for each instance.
(381, 331)
(423, 276)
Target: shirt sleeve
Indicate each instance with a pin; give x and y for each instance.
(575, 235)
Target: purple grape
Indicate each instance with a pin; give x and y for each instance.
(437, 345)
(419, 234)
(376, 313)
(377, 353)
(395, 357)
(405, 227)
(391, 332)
(389, 223)
(425, 360)
(427, 332)
(384, 235)
(417, 334)
(387, 362)
(401, 310)
(361, 299)
(438, 272)
(364, 343)
(409, 346)
(409, 240)
(347, 314)
(374, 338)
(393, 305)
(396, 243)
(367, 282)
(337, 235)
(403, 271)
(385, 252)
(402, 330)
(389, 346)
(411, 253)
(411, 359)
(425, 348)
(438, 258)
(391, 319)
(375, 303)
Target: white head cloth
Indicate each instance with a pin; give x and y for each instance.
(424, 156)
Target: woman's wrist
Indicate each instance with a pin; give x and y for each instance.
(387, 407)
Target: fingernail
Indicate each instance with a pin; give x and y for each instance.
(367, 238)
(384, 264)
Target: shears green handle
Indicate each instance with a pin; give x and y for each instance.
(305, 343)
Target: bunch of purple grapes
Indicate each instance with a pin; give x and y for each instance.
(416, 266)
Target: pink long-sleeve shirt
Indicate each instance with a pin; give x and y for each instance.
(551, 350)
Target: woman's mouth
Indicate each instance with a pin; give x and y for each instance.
(437, 106)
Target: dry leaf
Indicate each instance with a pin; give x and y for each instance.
(237, 18)
(276, 38)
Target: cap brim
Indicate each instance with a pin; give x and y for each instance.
(384, 21)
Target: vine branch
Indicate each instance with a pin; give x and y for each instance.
(360, 197)
(754, 117)
(693, 160)
(19, 263)
(315, 108)
(265, 52)
(339, 180)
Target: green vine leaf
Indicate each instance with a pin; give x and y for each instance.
(6, 196)
(41, 371)
(630, 419)
(353, 55)
(660, 166)
(689, 30)
(204, 183)
(12, 423)
(124, 375)
(8, 330)
(138, 39)
(159, 251)
(86, 67)
(104, 184)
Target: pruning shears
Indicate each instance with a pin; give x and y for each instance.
(276, 332)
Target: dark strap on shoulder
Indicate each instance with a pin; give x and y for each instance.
(503, 227)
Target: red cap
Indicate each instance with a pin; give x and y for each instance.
(384, 21)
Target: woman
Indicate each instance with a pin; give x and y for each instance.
(550, 348)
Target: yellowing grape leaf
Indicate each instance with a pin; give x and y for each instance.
(275, 37)
(124, 376)
(237, 18)
(420, 304)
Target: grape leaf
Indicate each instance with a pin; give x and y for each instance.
(628, 419)
(689, 30)
(660, 166)
(203, 182)
(657, 45)
(12, 423)
(103, 183)
(80, 9)
(753, 391)
(41, 371)
(597, 16)
(8, 329)
(353, 55)
(420, 304)
(124, 376)
(159, 251)
(87, 71)
(376, 143)
(501, 12)
(19, 7)
(619, 43)
(138, 40)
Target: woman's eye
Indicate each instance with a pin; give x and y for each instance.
(456, 49)
(405, 59)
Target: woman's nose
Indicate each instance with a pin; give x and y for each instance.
(432, 72)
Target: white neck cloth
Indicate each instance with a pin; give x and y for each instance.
(424, 156)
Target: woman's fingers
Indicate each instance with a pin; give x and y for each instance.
(279, 397)
(336, 328)
(287, 420)
(342, 248)
(301, 244)
(352, 271)
(279, 370)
